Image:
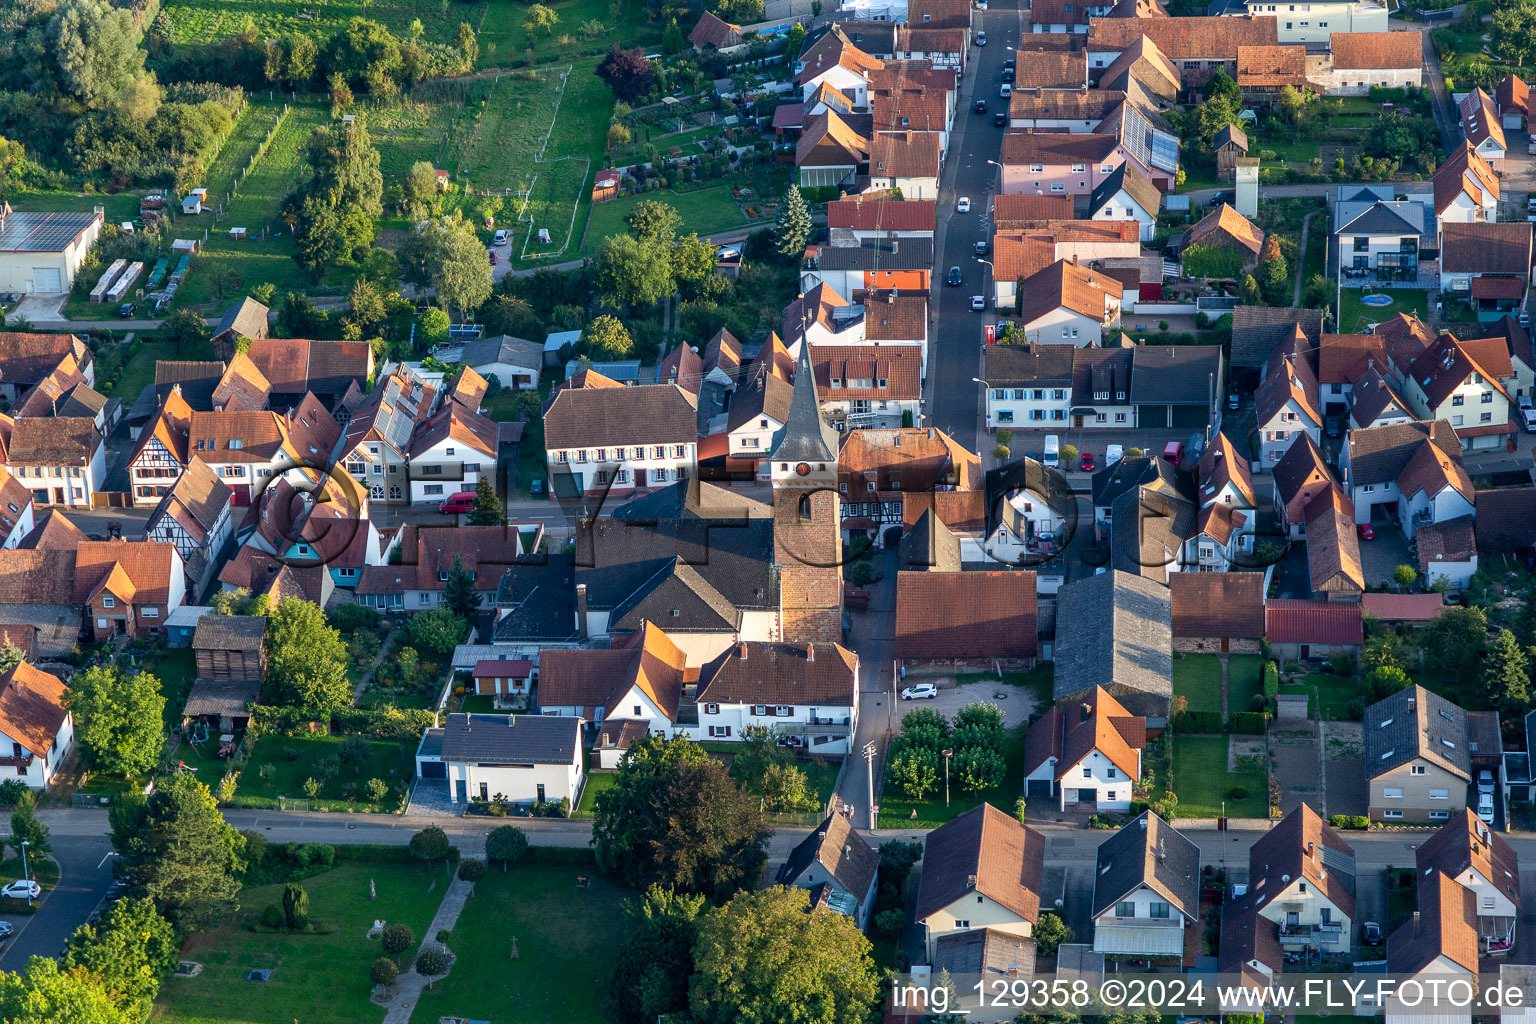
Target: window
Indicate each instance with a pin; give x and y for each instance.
(1456, 420)
(151, 611)
(618, 454)
(711, 709)
(450, 451)
(1119, 417)
(1111, 773)
(1087, 773)
(1486, 417)
(1417, 769)
(1458, 400)
(678, 450)
(1392, 793)
(1158, 910)
(432, 489)
(564, 458)
(1487, 398)
(1125, 908)
(720, 731)
(1439, 794)
(958, 923)
(1392, 814)
(1487, 902)
(660, 452)
(600, 456)
(1439, 815)
(1058, 187)
(108, 601)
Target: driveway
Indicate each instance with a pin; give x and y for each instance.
(1014, 702)
(1388, 551)
(85, 870)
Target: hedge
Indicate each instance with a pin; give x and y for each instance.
(388, 722)
(1352, 821)
(1271, 679)
(1251, 723)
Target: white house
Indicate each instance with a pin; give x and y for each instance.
(1466, 188)
(981, 870)
(640, 680)
(1068, 304)
(36, 729)
(1286, 402)
(16, 510)
(449, 452)
(1388, 464)
(60, 459)
(1438, 945)
(1027, 512)
(1377, 232)
(1304, 871)
(1088, 752)
(1464, 384)
(1127, 194)
(1482, 127)
(195, 515)
(515, 362)
(620, 438)
(1470, 854)
(1448, 552)
(524, 758)
(1028, 387)
(807, 692)
(839, 867)
(1146, 890)
(1364, 59)
(1317, 22)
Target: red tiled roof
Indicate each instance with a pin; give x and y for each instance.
(1313, 622)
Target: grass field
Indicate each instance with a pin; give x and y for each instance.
(317, 979)
(140, 369)
(1201, 780)
(386, 761)
(1197, 678)
(896, 810)
(567, 939)
(120, 207)
(1334, 694)
(705, 212)
(242, 144)
(410, 131)
(1354, 314)
(1244, 679)
(176, 670)
(597, 782)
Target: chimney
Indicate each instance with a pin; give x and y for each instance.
(581, 609)
(970, 881)
(847, 849)
(1074, 259)
(810, 653)
(1087, 711)
(741, 651)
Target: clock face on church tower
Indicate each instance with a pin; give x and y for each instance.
(803, 469)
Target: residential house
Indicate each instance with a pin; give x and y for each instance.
(1380, 235)
(1343, 359)
(1176, 385)
(1301, 881)
(1031, 513)
(758, 411)
(36, 727)
(527, 759)
(1146, 890)
(376, 448)
(1144, 472)
(861, 219)
(195, 517)
(1053, 164)
(939, 13)
(1086, 751)
(1448, 552)
(449, 451)
(1027, 386)
(1222, 537)
(1069, 304)
(808, 692)
(1264, 72)
(1472, 856)
(250, 449)
(908, 161)
(877, 468)
(321, 524)
(639, 680)
(946, 619)
(834, 60)
(904, 266)
(1114, 630)
(835, 857)
(869, 385)
(418, 582)
(1258, 330)
(1522, 356)
(127, 588)
(65, 393)
(1334, 18)
(1513, 98)
(60, 459)
(944, 48)
(981, 870)
(1145, 65)
(1217, 611)
(1014, 213)
(1487, 264)
(1226, 229)
(1055, 17)
(1127, 194)
(1297, 628)
(1436, 946)
(1422, 751)
(1334, 568)
(619, 440)
(830, 152)
(1286, 402)
(1075, 111)
(1377, 403)
(37, 588)
(1366, 59)
(1101, 387)
(161, 452)
(16, 510)
(514, 362)
(28, 359)
(1466, 189)
(1483, 128)
(1374, 462)
(296, 367)
(1195, 45)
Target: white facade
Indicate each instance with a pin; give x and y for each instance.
(37, 772)
(1300, 905)
(22, 522)
(1474, 403)
(70, 486)
(969, 913)
(926, 187)
(46, 272)
(1060, 326)
(1457, 575)
(1316, 22)
(826, 728)
(1358, 81)
(1142, 922)
(626, 467)
(754, 438)
(1040, 521)
(849, 83)
(1094, 780)
(549, 782)
(1122, 207)
(1288, 423)
(449, 466)
(1028, 408)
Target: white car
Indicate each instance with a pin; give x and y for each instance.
(979, 303)
(1005, 91)
(1485, 808)
(922, 691)
(981, 39)
(1485, 782)
(22, 889)
(981, 5)
(501, 238)
(1113, 454)
(964, 205)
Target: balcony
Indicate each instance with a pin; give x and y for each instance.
(1310, 936)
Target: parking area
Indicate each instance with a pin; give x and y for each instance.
(1388, 550)
(1014, 702)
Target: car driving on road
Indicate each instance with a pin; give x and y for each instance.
(964, 205)
(955, 278)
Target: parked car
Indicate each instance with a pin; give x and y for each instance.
(955, 278)
(126, 311)
(981, 247)
(1010, 63)
(1366, 531)
(1485, 782)
(964, 205)
(1173, 451)
(1000, 119)
(1334, 426)
(22, 889)
(922, 691)
(1052, 451)
(1234, 401)
(461, 501)
(536, 486)
(1085, 462)
(1008, 74)
(980, 106)
(981, 5)
(979, 303)
(981, 39)
(1485, 808)
(502, 238)
(6, 928)
(492, 254)
(1113, 454)
(1005, 90)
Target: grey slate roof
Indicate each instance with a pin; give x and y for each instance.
(1150, 852)
(679, 600)
(1380, 454)
(1115, 630)
(230, 632)
(1002, 482)
(1034, 365)
(807, 436)
(1416, 723)
(884, 254)
(504, 349)
(1132, 472)
(542, 597)
(1147, 529)
(1175, 375)
(930, 546)
(526, 739)
(618, 558)
(1383, 218)
(845, 855)
(246, 317)
(1256, 330)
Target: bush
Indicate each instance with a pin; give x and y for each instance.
(888, 924)
(383, 971)
(472, 870)
(431, 962)
(1251, 723)
(1271, 679)
(255, 847)
(397, 939)
(1199, 722)
(1237, 793)
(1351, 821)
(431, 843)
(295, 906)
(1258, 702)
(1001, 453)
(272, 916)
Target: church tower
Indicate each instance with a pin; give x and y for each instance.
(807, 513)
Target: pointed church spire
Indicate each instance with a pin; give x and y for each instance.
(807, 436)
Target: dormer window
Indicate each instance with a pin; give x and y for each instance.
(236, 444)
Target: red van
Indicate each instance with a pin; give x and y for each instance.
(452, 505)
(1173, 452)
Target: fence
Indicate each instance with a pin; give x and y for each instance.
(285, 803)
(250, 164)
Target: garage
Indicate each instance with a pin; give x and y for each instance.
(1175, 385)
(47, 280)
(1038, 788)
(1190, 415)
(40, 250)
(432, 769)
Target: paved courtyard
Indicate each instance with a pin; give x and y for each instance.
(1015, 703)
(1388, 551)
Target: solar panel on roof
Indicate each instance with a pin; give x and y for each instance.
(24, 231)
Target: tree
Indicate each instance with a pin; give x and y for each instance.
(306, 659)
(488, 510)
(740, 12)
(366, 310)
(618, 136)
(117, 719)
(540, 19)
(627, 73)
(1453, 642)
(653, 221)
(1276, 273)
(1291, 102)
(1215, 114)
(794, 40)
(792, 230)
(1514, 34)
(459, 592)
(48, 994)
(978, 768)
(420, 186)
(295, 906)
(915, 770)
(785, 790)
(397, 938)
(176, 849)
(1384, 649)
(693, 262)
(430, 844)
(507, 844)
(606, 338)
(333, 212)
(674, 817)
(1051, 931)
(1382, 682)
(439, 630)
(461, 273)
(91, 53)
(761, 957)
(25, 828)
(431, 962)
(130, 953)
(11, 656)
(650, 979)
(509, 314)
(186, 329)
(1405, 575)
(468, 46)
(1506, 676)
(384, 971)
(633, 273)
(1248, 290)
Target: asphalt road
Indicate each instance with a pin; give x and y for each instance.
(85, 869)
(954, 399)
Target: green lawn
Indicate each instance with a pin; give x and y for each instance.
(1244, 679)
(386, 761)
(896, 811)
(176, 671)
(1335, 694)
(567, 939)
(597, 782)
(1197, 677)
(1201, 780)
(244, 140)
(1299, 152)
(120, 207)
(706, 212)
(139, 370)
(1354, 314)
(317, 979)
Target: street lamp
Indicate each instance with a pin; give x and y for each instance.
(948, 753)
(25, 877)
